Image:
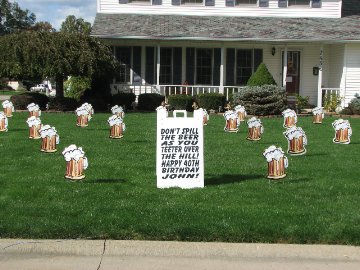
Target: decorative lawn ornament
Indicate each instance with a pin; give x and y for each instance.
(160, 109)
(296, 140)
(277, 162)
(3, 122)
(118, 110)
(232, 121)
(49, 139)
(205, 117)
(241, 112)
(318, 113)
(88, 107)
(117, 127)
(34, 110)
(8, 108)
(76, 162)
(290, 118)
(83, 116)
(343, 131)
(34, 127)
(255, 129)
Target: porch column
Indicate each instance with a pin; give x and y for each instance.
(285, 67)
(158, 68)
(143, 59)
(222, 71)
(183, 64)
(319, 92)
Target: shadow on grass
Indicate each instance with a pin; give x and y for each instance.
(107, 181)
(231, 178)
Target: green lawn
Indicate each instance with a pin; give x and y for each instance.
(318, 202)
(10, 93)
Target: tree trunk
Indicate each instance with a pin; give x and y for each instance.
(59, 86)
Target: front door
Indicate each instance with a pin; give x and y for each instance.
(293, 72)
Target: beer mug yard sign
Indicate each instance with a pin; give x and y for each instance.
(180, 150)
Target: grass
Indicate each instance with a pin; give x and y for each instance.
(318, 201)
(10, 92)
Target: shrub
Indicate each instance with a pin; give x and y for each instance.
(301, 102)
(149, 102)
(262, 100)
(123, 99)
(262, 76)
(63, 104)
(20, 102)
(181, 102)
(211, 101)
(331, 102)
(76, 86)
(354, 106)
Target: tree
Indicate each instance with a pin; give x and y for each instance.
(43, 27)
(36, 55)
(73, 25)
(13, 18)
(262, 76)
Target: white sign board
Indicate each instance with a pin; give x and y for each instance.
(180, 150)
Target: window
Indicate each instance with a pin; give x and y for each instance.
(166, 65)
(246, 2)
(204, 66)
(299, 2)
(123, 55)
(192, 2)
(243, 66)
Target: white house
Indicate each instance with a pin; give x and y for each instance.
(167, 46)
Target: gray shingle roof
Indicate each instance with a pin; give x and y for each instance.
(135, 26)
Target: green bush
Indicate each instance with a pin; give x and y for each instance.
(20, 102)
(331, 102)
(262, 76)
(63, 104)
(76, 86)
(181, 102)
(211, 101)
(123, 99)
(354, 106)
(262, 100)
(149, 102)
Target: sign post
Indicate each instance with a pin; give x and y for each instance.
(180, 150)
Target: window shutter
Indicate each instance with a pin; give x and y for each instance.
(230, 65)
(123, 1)
(258, 58)
(216, 68)
(176, 2)
(316, 4)
(209, 2)
(177, 64)
(136, 65)
(190, 61)
(282, 3)
(150, 65)
(263, 3)
(157, 2)
(230, 3)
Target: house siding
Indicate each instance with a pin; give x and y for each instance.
(352, 64)
(329, 9)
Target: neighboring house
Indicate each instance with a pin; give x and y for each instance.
(310, 46)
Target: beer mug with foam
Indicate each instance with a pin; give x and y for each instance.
(8, 108)
(318, 115)
(290, 118)
(255, 129)
(34, 124)
(343, 131)
(3, 122)
(49, 139)
(241, 112)
(296, 140)
(117, 126)
(277, 162)
(232, 122)
(76, 162)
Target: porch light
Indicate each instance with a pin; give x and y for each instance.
(273, 51)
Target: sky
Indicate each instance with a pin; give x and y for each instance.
(56, 11)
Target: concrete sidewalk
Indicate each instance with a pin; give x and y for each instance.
(116, 254)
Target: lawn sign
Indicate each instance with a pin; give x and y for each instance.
(277, 162)
(290, 118)
(76, 162)
(241, 112)
(117, 126)
(8, 108)
(84, 114)
(3, 122)
(232, 121)
(34, 110)
(255, 129)
(296, 140)
(34, 127)
(180, 150)
(318, 113)
(343, 131)
(118, 110)
(49, 139)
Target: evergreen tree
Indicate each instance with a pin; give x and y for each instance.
(262, 76)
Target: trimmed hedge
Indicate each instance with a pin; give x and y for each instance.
(262, 76)
(63, 104)
(181, 102)
(354, 106)
(149, 102)
(211, 101)
(123, 99)
(262, 100)
(21, 101)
